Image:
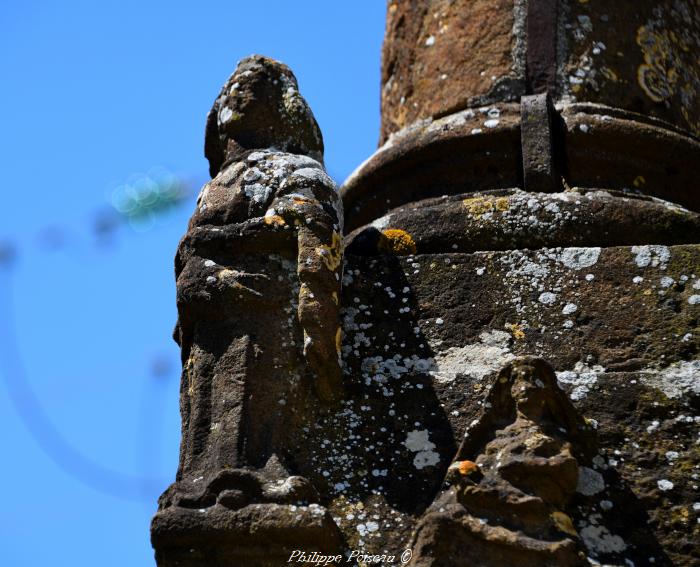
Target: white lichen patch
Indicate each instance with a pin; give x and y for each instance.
(676, 380)
(590, 482)
(579, 258)
(382, 223)
(265, 174)
(474, 361)
(581, 378)
(599, 540)
(655, 256)
(258, 192)
(418, 441)
(547, 273)
(547, 298)
(225, 114)
(569, 308)
(382, 370)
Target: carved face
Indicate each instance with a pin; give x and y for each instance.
(260, 107)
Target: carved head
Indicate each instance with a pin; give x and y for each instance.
(260, 107)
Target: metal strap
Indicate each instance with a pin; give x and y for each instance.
(536, 120)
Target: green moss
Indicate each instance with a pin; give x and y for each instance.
(684, 261)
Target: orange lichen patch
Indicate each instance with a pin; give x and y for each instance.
(331, 253)
(398, 242)
(563, 523)
(338, 340)
(274, 219)
(465, 468)
(516, 330)
(298, 200)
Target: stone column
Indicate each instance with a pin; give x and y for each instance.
(535, 193)
(519, 311)
(623, 76)
(443, 56)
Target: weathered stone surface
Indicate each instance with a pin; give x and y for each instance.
(512, 479)
(640, 56)
(441, 56)
(258, 535)
(537, 123)
(480, 149)
(433, 158)
(510, 219)
(426, 334)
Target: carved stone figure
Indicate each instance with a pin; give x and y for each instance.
(534, 199)
(512, 479)
(258, 283)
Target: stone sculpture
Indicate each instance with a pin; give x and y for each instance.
(258, 282)
(506, 506)
(534, 199)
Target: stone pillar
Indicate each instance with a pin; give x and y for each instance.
(519, 377)
(442, 56)
(535, 194)
(621, 75)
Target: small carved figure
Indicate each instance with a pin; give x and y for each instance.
(506, 493)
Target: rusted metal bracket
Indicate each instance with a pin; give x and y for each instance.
(536, 140)
(541, 50)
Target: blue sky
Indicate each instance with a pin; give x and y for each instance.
(95, 93)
